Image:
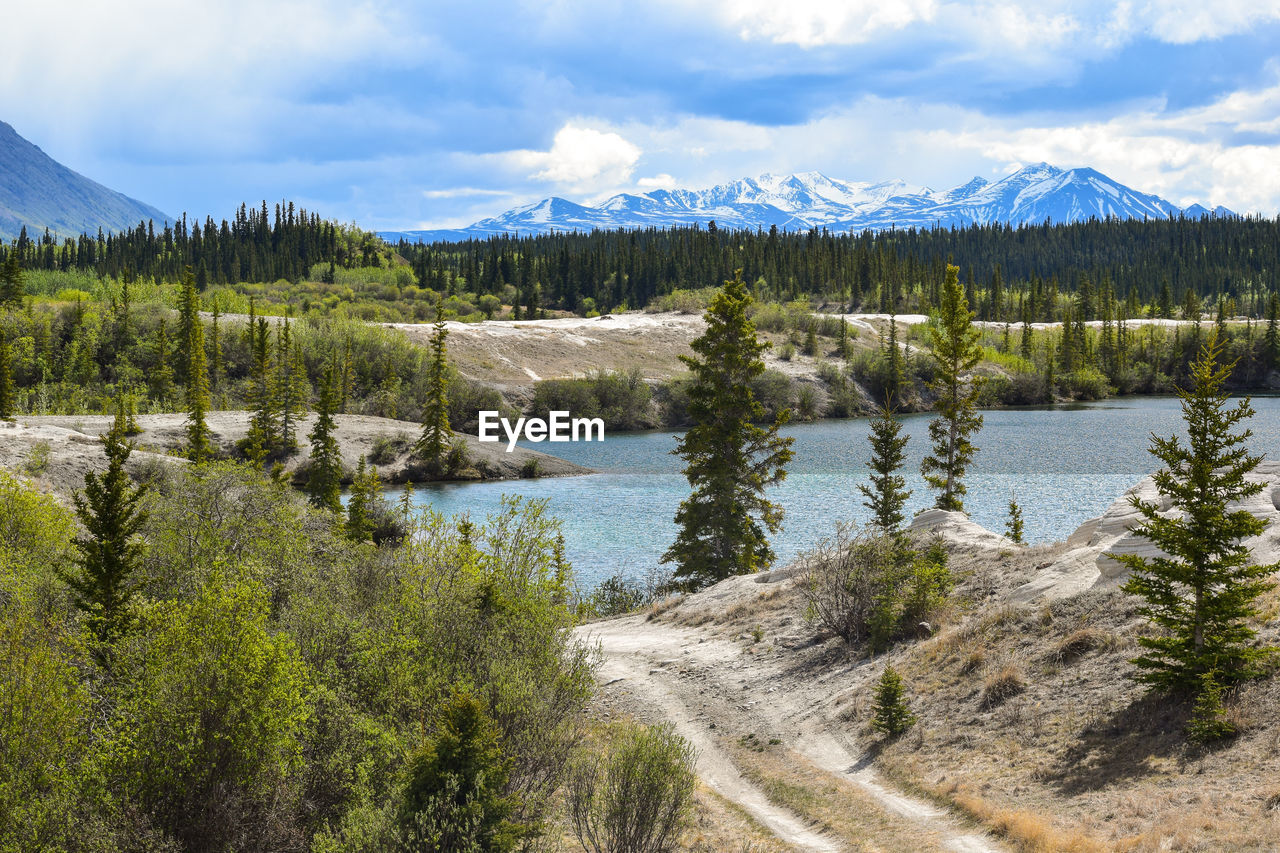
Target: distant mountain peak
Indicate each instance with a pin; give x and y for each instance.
(1033, 194)
(38, 192)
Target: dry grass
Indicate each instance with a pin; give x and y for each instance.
(1029, 831)
(1003, 684)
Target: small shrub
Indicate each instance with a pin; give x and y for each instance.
(38, 460)
(637, 796)
(973, 662)
(531, 469)
(459, 456)
(387, 448)
(617, 595)
(1003, 685)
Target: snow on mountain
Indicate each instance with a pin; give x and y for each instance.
(1032, 195)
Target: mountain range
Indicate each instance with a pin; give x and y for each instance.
(1032, 195)
(39, 192)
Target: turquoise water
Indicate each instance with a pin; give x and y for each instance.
(1063, 464)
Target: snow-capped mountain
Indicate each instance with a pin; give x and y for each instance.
(1031, 195)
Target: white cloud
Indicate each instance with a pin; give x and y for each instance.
(580, 158)
(812, 23)
(658, 182)
(1186, 21)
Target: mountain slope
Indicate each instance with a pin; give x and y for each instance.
(38, 192)
(1032, 195)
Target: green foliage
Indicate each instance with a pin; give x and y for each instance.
(872, 588)
(1204, 590)
(729, 461)
(890, 714)
(621, 400)
(456, 795)
(104, 582)
(637, 795)
(887, 494)
(208, 735)
(955, 350)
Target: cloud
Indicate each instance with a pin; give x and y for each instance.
(658, 182)
(814, 23)
(580, 158)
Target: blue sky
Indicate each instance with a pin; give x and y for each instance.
(421, 115)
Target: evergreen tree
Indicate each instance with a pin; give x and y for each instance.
(11, 287)
(729, 459)
(434, 443)
(456, 797)
(1272, 338)
(895, 370)
(324, 473)
(1013, 526)
(199, 444)
(188, 319)
(162, 373)
(362, 503)
(6, 379)
(1204, 591)
(104, 582)
(890, 714)
(261, 441)
(887, 495)
(216, 367)
(955, 351)
(290, 376)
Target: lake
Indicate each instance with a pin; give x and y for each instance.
(1063, 464)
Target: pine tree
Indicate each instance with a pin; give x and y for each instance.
(1013, 526)
(261, 441)
(216, 367)
(324, 473)
(895, 371)
(955, 351)
(162, 373)
(11, 287)
(188, 319)
(890, 714)
(887, 495)
(199, 443)
(729, 459)
(6, 379)
(1273, 331)
(362, 504)
(434, 443)
(290, 376)
(1204, 591)
(104, 583)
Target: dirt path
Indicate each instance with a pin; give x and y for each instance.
(706, 686)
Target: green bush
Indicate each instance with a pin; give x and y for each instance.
(636, 797)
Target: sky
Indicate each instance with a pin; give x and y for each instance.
(400, 115)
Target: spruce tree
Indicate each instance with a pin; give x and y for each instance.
(162, 372)
(216, 367)
(261, 441)
(887, 495)
(1203, 592)
(11, 287)
(434, 443)
(955, 351)
(199, 444)
(729, 459)
(362, 503)
(6, 379)
(890, 713)
(290, 381)
(188, 319)
(324, 473)
(1013, 526)
(103, 583)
